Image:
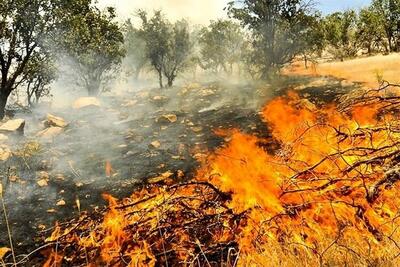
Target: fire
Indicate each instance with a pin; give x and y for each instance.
(325, 196)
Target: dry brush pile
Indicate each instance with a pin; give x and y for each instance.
(328, 195)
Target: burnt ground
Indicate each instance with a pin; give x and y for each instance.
(129, 132)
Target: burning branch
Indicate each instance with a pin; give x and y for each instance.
(331, 188)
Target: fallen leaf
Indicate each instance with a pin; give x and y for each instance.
(51, 211)
(3, 252)
(78, 184)
(108, 169)
(42, 183)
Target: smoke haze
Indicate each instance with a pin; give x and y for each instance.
(197, 11)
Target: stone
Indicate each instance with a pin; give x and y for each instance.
(13, 126)
(5, 153)
(50, 132)
(168, 118)
(84, 102)
(55, 121)
(156, 144)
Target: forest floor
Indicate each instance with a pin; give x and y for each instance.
(130, 139)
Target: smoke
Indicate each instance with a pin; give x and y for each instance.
(198, 12)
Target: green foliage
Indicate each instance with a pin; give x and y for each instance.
(370, 30)
(221, 44)
(24, 25)
(39, 73)
(167, 46)
(389, 16)
(94, 42)
(135, 46)
(276, 26)
(179, 48)
(340, 34)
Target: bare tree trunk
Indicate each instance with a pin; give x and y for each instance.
(305, 61)
(170, 82)
(160, 79)
(3, 103)
(94, 88)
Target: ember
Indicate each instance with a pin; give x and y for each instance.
(331, 189)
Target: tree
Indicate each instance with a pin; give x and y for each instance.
(313, 43)
(39, 73)
(156, 31)
(24, 25)
(94, 42)
(221, 45)
(389, 15)
(370, 30)
(340, 34)
(276, 26)
(179, 48)
(135, 47)
(167, 46)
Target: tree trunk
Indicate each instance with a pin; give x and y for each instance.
(93, 88)
(305, 61)
(3, 102)
(170, 82)
(160, 79)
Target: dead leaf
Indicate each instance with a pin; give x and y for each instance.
(3, 252)
(108, 169)
(51, 211)
(42, 183)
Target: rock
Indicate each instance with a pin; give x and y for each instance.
(55, 121)
(156, 144)
(168, 118)
(129, 103)
(50, 132)
(5, 153)
(61, 202)
(13, 126)
(42, 183)
(84, 102)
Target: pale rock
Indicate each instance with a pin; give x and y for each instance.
(50, 132)
(13, 126)
(156, 144)
(55, 121)
(5, 153)
(168, 118)
(84, 102)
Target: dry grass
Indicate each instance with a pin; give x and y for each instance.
(367, 70)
